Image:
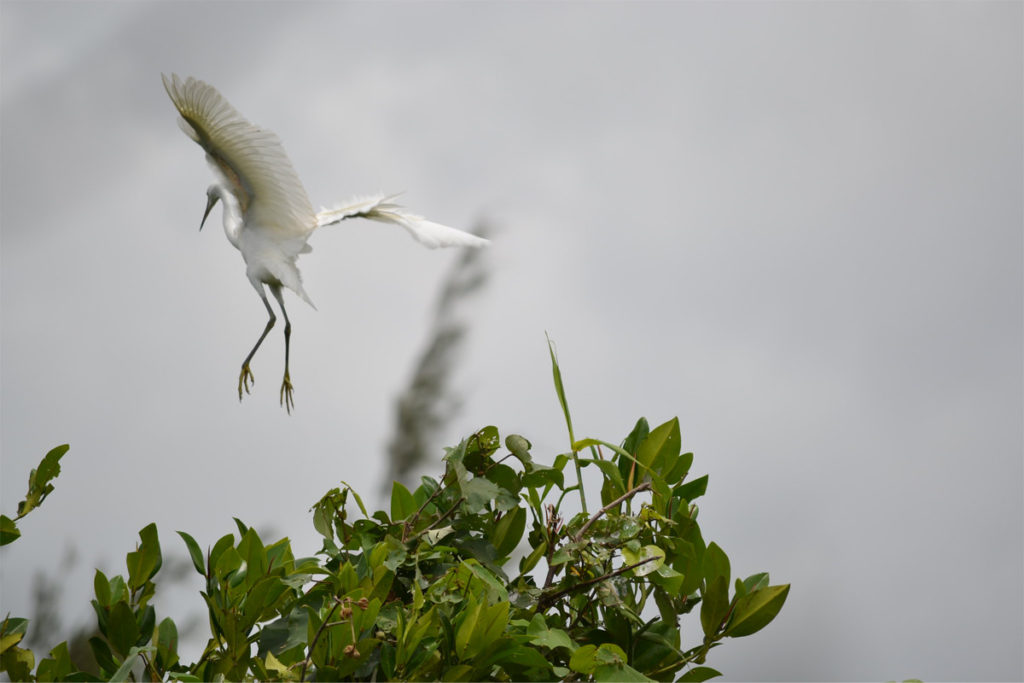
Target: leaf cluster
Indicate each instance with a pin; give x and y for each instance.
(488, 572)
(491, 571)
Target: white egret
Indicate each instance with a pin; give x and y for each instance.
(267, 215)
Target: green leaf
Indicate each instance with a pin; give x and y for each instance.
(519, 447)
(611, 473)
(509, 531)
(122, 630)
(488, 628)
(194, 551)
(621, 672)
(756, 610)
(144, 562)
(403, 505)
(126, 668)
(531, 560)
(12, 630)
(480, 492)
(103, 656)
(39, 486)
(559, 388)
(583, 659)
(716, 563)
(691, 490)
(660, 450)
(18, 663)
(751, 584)
(166, 642)
(715, 605)
(467, 626)
(8, 530)
(645, 553)
(543, 636)
(57, 667)
(222, 544)
(102, 588)
(698, 674)
(541, 475)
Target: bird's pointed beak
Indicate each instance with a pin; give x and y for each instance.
(211, 200)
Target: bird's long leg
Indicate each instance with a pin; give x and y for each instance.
(286, 385)
(246, 376)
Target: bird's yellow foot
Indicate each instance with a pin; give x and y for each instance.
(244, 380)
(286, 394)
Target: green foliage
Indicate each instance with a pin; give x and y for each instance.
(39, 487)
(495, 570)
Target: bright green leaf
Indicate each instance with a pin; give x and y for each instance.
(582, 660)
(559, 388)
(403, 505)
(144, 562)
(756, 610)
(660, 449)
(647, 552)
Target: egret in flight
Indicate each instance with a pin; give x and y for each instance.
(267, 215)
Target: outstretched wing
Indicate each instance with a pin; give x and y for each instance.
(381, 208)
(250, 160)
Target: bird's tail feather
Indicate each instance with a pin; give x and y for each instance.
(382, 208)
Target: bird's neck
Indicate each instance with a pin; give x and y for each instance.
(232, 216)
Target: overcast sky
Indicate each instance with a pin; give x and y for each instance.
(796, 226)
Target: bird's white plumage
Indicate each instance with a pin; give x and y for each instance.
(266, 213)
(250, 159)
(380, 208)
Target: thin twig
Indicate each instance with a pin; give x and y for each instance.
(312, 645)
(628, 494)
(547, 600)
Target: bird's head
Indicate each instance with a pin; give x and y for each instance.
(212, 196)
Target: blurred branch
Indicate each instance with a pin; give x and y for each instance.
(427, 403)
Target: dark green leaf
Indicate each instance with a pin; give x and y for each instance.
(194, 552)
(166, 642)
(146, 619)
(509, 531)
(715, 605)
(540, 475)
(102, 588)
(716, 563)
(8, 530)
(122, 630)
(698, 674)
(691, 490)
(104, 658)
